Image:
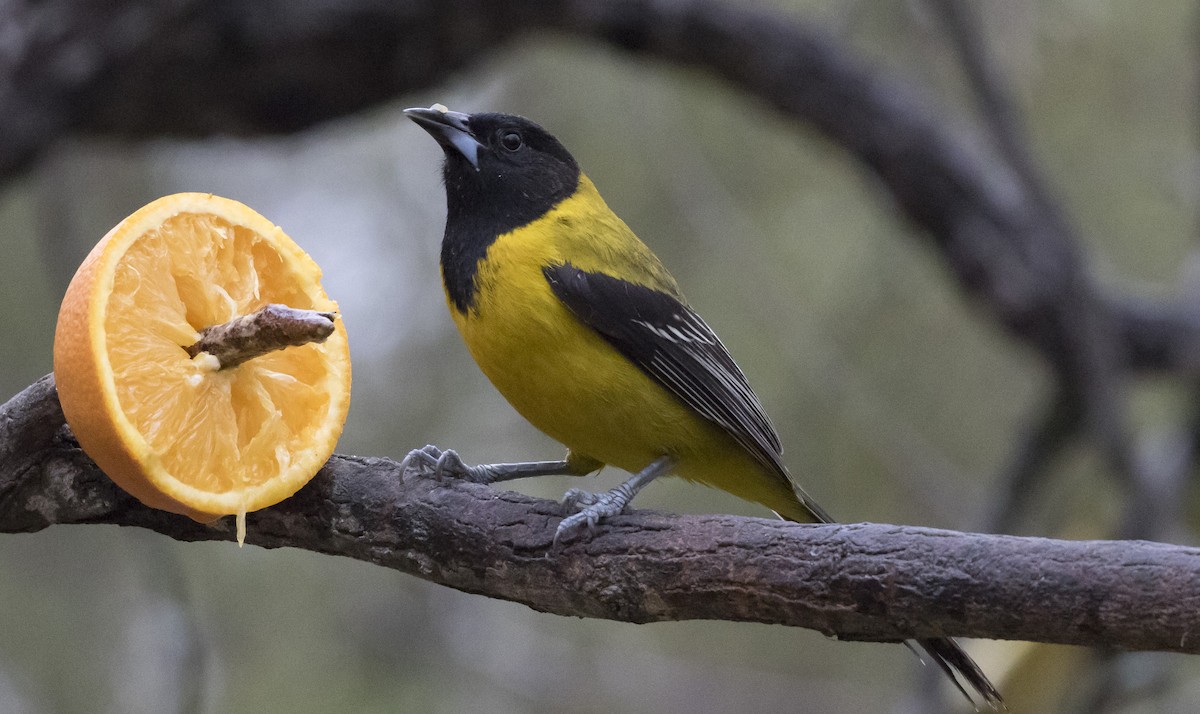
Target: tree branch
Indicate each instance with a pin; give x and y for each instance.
(858, 582)
(271, 327)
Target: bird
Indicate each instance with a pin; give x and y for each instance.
(578, 324)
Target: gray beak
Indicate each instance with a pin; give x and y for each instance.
(450, 129)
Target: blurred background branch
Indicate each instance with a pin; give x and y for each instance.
(133, 69)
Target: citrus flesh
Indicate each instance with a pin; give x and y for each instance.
(177, 432)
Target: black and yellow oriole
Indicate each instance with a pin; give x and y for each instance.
(587, 335)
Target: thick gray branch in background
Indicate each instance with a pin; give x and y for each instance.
(142, 68)
(861, 582)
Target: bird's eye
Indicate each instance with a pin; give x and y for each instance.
(511, 141)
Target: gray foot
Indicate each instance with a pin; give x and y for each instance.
(592, 509)
(429, 460)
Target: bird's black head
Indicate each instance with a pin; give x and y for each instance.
(501, 172)
(500, 165)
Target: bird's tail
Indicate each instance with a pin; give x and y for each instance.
(945, 652)
(960, 668)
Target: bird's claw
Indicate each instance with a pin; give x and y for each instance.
(592, 508)
(431, 461)
(577, 499)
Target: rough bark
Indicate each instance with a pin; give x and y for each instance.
(860, 581)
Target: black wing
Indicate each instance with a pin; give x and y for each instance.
(674, 346)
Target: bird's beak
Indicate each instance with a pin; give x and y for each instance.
(450, 129)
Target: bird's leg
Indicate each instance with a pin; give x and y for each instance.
(447, 464)
(595, 507)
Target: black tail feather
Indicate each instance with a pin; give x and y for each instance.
(960, 668)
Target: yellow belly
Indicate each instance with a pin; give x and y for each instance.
(571, 384)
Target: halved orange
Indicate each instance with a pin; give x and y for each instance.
(175, 431)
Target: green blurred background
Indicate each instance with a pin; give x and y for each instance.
(896, 401)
